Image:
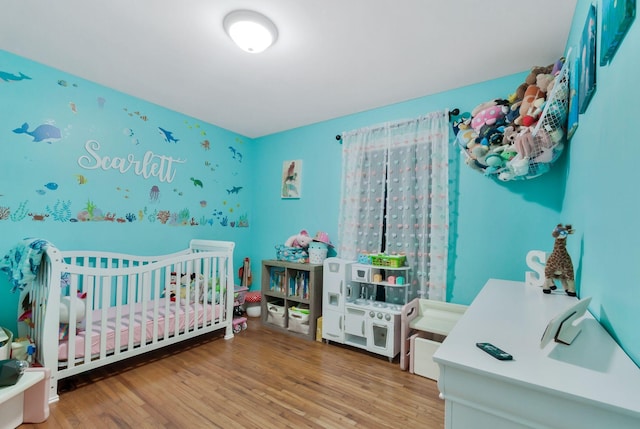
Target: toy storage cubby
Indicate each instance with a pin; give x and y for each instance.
(291, 297)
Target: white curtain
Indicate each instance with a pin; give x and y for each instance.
(395, 197)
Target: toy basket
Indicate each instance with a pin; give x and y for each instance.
(393, 261)
(292, 254)
(298, 320)
(548, 139)
(364, 258)
(276, 313)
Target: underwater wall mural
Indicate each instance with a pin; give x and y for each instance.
(74, 151)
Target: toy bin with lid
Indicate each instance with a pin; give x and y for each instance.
(318, 252)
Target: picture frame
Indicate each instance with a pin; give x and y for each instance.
(291, 186)
(573, 114)
(617, 16)
(588, 65)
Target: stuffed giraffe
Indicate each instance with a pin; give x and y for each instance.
(559, 265)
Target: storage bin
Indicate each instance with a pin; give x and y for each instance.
(301, 315)
(298, 319)
(423, 364)
(292, 254)
(276, 314)
(296, 325)
(6, 338)
(317, 252)
(364, 258)
(394, 261)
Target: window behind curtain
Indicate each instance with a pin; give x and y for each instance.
(395, 196)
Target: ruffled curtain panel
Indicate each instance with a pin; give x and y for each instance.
(395, 196)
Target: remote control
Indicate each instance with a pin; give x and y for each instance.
(494, 351)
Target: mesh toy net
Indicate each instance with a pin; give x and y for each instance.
(534, 149)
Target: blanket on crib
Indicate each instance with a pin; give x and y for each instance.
(22, 262)
(189, 316)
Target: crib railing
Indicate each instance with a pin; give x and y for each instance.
(144, 302)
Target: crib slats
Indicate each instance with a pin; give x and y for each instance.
(104, 289)
(141, 297)
(72, 292)
(178, 300)
(118, 320)
(90, 289)
(156, 304)
(131, 323)
(202, 292)
(127, 309)
(167, 299)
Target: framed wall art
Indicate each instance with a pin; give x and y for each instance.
(291, 179)
(574, 78)
(587, 54)
(617, 16)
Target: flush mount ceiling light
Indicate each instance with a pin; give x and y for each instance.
(251, 31)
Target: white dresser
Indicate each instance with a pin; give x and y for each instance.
(590, 384)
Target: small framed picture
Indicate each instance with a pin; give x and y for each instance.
(291, 179)
(617, 16)
(587, 83)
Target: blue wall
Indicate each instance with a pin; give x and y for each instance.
(75, 174)
(601, 192)
(490, 220)
(494, 224)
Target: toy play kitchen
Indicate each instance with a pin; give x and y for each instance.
(362, 302)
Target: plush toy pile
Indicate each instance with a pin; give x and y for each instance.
(521, 136)
(176, 287)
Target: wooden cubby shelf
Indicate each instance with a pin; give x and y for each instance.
(291, 297)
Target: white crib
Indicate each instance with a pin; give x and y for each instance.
(130, 304)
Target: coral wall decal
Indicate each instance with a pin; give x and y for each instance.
(61, 211)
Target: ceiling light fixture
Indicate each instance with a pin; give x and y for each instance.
(251, 31)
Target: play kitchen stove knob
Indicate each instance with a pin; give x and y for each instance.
(387, 317)
(372, 314)
(379, 315)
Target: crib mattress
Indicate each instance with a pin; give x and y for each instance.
(211, 311)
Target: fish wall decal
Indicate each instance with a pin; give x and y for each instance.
(41, 133)
(168, 135)
(9, 76)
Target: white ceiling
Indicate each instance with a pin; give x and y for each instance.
(332, 57)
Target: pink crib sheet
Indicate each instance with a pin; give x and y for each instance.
(210, 310)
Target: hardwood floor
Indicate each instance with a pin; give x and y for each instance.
(259, 379)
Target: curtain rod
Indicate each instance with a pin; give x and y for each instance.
(454, 111)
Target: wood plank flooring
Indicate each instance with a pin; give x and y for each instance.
(259, 379)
